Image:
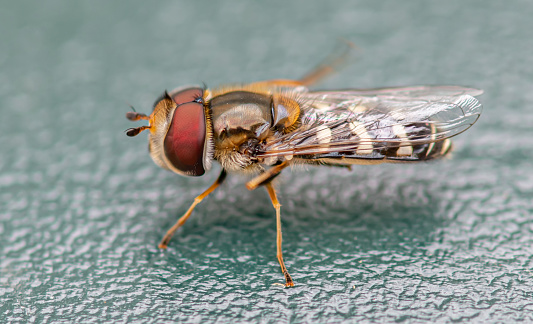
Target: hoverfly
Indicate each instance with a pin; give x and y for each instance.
(264, 127)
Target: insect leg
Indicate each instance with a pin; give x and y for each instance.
(266, 176)
(277, 206)
(277, 83)
(330, 64)
(197, 200)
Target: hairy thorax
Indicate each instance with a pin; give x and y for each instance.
(243, 121)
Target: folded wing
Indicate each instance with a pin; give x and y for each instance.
(408, 123)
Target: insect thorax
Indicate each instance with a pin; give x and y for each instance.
(242, 121)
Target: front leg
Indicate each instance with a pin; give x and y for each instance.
(197, 200)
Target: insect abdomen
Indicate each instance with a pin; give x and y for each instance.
(368, 149)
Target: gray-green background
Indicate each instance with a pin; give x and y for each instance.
(82, 206)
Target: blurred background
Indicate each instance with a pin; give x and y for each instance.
(82, 206)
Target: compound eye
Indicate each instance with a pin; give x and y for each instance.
(185, 142)
(187, 95)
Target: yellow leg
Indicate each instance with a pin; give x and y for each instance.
(277, 205)
(278, 83)
(266, 176)
(183, 219)
(331, 64)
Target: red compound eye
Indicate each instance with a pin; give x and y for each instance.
(187, 95)
(184, 143)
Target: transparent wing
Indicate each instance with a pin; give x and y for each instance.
(377, 119)
(398, 92)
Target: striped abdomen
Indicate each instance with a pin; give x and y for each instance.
(367, 127)
(376, 143)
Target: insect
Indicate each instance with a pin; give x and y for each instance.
(264, 127)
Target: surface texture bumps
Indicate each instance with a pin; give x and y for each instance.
(82, 206)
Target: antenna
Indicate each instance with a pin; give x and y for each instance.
(135, 131)
(134, 116)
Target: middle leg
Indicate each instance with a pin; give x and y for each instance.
(277, 206)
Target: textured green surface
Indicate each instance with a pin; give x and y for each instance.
(82, 206)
